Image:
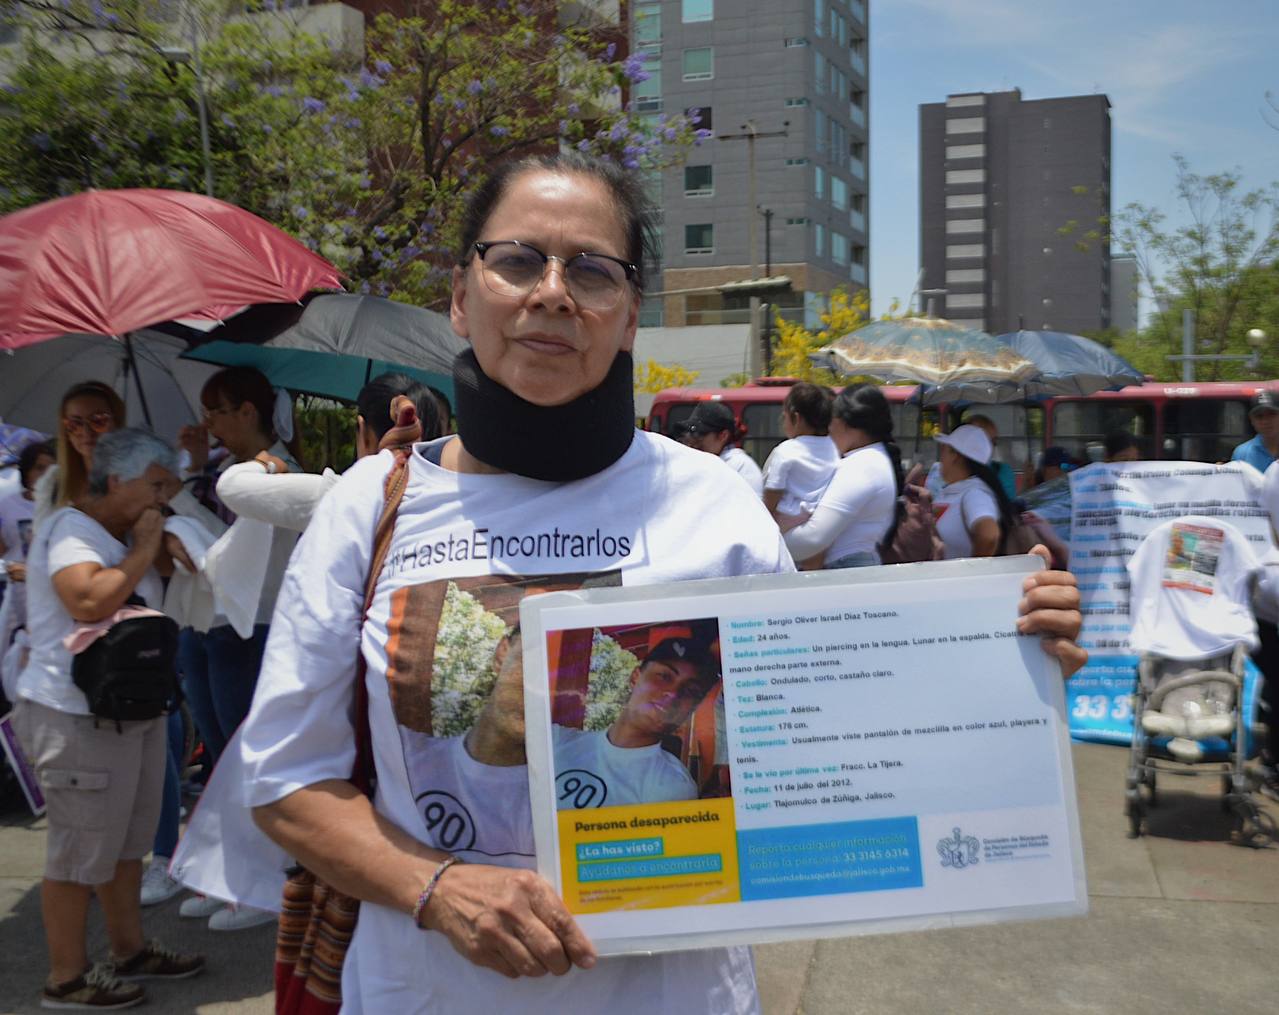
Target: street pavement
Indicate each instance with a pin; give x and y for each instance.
(1180, 921)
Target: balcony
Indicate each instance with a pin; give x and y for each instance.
(858, 7)
(858, 168)
(857, 272)
(858, 61)
(857, 114)
(857, 219)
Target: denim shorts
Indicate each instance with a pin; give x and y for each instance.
(864, 558)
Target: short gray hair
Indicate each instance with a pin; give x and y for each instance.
(127, 454)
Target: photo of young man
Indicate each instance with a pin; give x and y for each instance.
(627, 763)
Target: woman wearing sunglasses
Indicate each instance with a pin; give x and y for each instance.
(88, 411)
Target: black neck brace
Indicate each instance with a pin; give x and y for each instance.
(557, 443)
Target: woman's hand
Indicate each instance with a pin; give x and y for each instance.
(1050, 608)
(177, 552)
(271, 463)
(17, 571)
(194, 440)
(507, 920)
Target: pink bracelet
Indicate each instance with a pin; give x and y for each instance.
(425, 897)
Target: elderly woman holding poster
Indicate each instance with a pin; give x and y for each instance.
(547, 477)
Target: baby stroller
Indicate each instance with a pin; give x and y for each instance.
(1193, 627)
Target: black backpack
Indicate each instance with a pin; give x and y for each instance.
(131, 671)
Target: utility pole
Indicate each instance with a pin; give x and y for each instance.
(750, 134)
(768, 240)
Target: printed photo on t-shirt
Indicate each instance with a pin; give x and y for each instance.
(1193, 553)
(637, 714)
(456, 680)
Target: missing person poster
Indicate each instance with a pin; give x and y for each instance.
(841, 752)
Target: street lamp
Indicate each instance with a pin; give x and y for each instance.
(175, 54)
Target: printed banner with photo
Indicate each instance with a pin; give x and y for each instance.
(1114, 507)
(753, 759)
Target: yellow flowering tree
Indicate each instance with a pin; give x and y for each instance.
(794, 343)
(653, 377)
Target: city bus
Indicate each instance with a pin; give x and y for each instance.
(1194, 422)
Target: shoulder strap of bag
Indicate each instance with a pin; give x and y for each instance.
(396, 483)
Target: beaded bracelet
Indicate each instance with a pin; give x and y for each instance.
(425, 897)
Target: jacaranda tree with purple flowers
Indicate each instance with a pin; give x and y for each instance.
(367, 162)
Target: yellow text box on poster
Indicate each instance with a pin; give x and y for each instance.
(649, 856)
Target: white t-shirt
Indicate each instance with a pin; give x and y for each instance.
(801, 468)
(856, 510)
(744, 465)
(1190, 590)
(464, 545)
(959, 507)
(67, 537)
(591, 771)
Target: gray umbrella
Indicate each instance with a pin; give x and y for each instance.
(1070, 364)
(332, 343)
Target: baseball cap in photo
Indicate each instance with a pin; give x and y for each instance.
(1263, 401)
(710, 417)
(970, 441)
(687, 650)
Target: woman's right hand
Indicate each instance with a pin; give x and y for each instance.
(149, 527)
(194, 440)
(507, 920)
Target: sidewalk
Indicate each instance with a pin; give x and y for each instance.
(1181, 921)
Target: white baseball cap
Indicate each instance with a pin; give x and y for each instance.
(970, 441)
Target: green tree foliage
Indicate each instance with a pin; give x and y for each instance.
(610, 681)
(465, 667)
(1220, 262)
(368, 163)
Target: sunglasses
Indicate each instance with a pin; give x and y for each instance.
(98, 422)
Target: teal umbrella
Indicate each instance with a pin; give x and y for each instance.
(952, 362)
(331, 344)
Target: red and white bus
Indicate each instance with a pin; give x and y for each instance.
(1194, 422)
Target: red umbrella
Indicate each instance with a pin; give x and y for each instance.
(108, 262)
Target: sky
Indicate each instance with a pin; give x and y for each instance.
(1182, 76)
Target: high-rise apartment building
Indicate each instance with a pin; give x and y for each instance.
(1012, 197)
(759, 67)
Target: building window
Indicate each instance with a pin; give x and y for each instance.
(702, 115)
(699, 239)
(966, 125)
(699, 181)
(819, 130)
(699, 63)
(647, 95)
(797, 222)
(965, 200)
(965, 225)
(966, 250)
(966, 151)
(819, 73)
(961, 275)
(697, 10)
(954, 101)
(800, 161)
(648, 24)
(819, 17)
(966, 301)
(839, 193)
(796, 42)
(819, 182)
(798, 101)
(955, 176)
(819, 240)
(838, 247)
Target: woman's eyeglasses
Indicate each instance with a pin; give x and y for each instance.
(595, 281)
(98, 422)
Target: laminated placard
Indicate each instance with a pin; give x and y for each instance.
(760, 758)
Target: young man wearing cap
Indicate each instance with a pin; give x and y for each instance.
(1264, 417)
(627, 764)
(712, 428)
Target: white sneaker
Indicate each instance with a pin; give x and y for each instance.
(157, 886)
(199, 907)
(240, 918)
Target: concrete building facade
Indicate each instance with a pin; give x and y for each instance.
(759, 67)
(1012, 195)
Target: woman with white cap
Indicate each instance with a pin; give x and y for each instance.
(973, 512)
